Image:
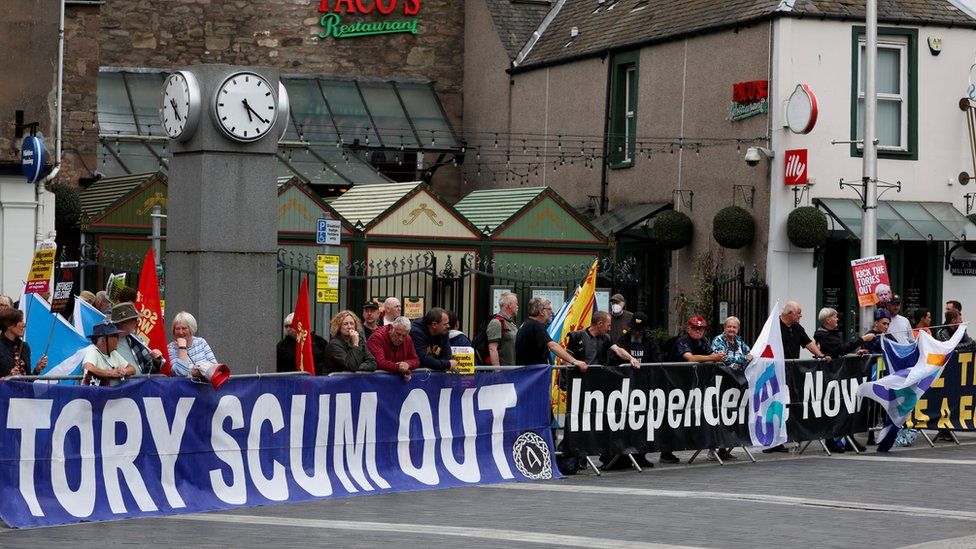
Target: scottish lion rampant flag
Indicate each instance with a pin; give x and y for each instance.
(912, 368)
(65, 348)
(575, 314)
(769, 396)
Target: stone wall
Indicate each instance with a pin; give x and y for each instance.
(80, 92)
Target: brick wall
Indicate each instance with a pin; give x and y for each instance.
(80, 92)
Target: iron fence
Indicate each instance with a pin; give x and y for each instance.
(748, 300)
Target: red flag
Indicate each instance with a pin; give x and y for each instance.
(151, 329)
(301, 324)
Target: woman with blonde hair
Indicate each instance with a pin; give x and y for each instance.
(347, 350)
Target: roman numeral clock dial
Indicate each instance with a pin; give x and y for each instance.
(179, 111)
(245, 107)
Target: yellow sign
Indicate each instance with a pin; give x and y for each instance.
(413, 307)
(465, 358)
(41, 269)
(326, 278)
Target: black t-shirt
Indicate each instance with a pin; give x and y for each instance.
(532, 343)
(589, 348)
(794, 339)
(646, 350)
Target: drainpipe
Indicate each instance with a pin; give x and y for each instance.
(57, 140)
(606, 138)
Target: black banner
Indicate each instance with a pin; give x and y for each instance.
(950, 403)
(698, 406)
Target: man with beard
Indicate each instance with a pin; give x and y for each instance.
(533, 343)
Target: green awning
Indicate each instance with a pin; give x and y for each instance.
(335, 125)
(899, 220)
(623, 218)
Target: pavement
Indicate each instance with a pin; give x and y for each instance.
(916, 497)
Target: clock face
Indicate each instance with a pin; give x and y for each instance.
(180, 108)
(245, 106)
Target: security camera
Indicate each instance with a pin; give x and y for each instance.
(754, 155)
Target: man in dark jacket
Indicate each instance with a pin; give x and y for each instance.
(285, 349)
(637, 341)
(431, 340)
(828, 337)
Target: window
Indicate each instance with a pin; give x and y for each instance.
(623, 110)
(897, 87)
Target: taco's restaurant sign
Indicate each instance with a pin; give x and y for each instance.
(334, 22)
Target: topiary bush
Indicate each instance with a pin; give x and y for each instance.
(67, 206)
(673, 230)
(734, 227)
(807, 227)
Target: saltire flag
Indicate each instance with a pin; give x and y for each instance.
(151, 328)
(575, 314)
(908, 379)
(67, 347)
(302, 325)
(85, 317)
(769, 396)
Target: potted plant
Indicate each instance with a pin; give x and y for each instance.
(806, 227)
(673, 230)
(734, 227)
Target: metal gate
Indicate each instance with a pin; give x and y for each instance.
(410, 277)
(733, 295)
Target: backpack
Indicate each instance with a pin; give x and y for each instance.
(480, 341)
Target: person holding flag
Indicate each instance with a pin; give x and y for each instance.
(131, 347)
(302, 325)
(14, 351)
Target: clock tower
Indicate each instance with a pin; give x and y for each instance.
(225, 123)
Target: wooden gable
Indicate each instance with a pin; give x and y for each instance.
(133, 210)
(548, 218)
(299, 208)
(423, 214)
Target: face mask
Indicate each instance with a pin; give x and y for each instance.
(617, 308)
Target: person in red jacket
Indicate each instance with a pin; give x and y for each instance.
(393, 349)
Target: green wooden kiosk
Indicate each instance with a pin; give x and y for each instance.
(536, 244)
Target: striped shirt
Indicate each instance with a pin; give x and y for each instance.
(198, 351)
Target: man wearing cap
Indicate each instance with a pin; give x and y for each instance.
(637, 340)
(900, 328)
(620, 318)
(693, 346)
(882, 323)
(371, 313)
(132, 349)
(103, 364)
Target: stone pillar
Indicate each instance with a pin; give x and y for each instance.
(222, 234)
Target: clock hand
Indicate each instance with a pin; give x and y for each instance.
(176, 111)
(248, 109)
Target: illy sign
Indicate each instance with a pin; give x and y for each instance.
(796, 167)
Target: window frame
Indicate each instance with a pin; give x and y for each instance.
(624, 102)
(907, 41)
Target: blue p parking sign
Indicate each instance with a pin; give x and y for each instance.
(327, 231)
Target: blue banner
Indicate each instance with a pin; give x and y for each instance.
(162, 446)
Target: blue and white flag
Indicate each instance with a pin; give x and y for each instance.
(769, 396)
(912, 370)
(86, 317)
(67, 347)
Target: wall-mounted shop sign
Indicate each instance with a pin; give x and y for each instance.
(795, 167)
(333, 25)
(749, 99)
(962, 267)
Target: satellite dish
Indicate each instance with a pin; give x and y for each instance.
(801, 110)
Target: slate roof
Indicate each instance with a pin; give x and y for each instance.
(515, 21)
(617, 24)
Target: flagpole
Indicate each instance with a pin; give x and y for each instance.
(869, 218)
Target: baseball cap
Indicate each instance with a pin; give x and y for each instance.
(895, 298)
(371, 305)
(617, 298)
(698, 322)
(882, 313)
(639, 322)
